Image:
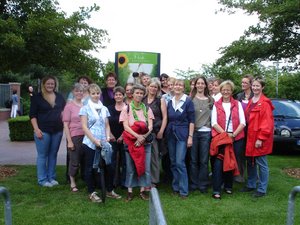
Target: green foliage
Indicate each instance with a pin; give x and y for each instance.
(35, 32)
(275, 37)
(20, 129)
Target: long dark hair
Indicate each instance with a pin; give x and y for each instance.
(206, 91)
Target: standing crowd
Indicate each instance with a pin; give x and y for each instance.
(124, 137)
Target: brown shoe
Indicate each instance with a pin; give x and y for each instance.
(129, 197)
(144, 196)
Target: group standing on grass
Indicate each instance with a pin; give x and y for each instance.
(144, 127)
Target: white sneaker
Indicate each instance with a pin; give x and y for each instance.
(95, 198)
(113, 194)
(47, 184)
(54, 182)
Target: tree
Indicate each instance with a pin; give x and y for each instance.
(35, 32)
(275, 37)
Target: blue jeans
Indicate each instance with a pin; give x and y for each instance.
(199, 160)
(47, 149)
(131, 176)
(177, 153)
(260, 163)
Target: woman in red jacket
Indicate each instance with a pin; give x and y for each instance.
(260, 124)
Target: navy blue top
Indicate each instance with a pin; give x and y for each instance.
(49, 119)
(179, 120)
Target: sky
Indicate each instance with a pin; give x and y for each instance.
(186, 33)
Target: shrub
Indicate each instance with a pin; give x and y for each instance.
(20, 129)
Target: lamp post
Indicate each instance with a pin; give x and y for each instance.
(277, 71)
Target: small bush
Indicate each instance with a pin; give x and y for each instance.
(20, 129)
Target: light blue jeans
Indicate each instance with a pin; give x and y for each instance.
(47, 149)
(131, 176)
(259, 180)
(177, 152)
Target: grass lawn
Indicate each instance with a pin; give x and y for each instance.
(32, 204)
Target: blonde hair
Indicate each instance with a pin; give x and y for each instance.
(45, 94)
(94, 87)
(227, 82)
(156, 81)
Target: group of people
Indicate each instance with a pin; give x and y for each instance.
(150, 124)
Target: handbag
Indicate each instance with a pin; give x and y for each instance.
(149, 138)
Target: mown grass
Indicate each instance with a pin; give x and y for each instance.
(32, 204)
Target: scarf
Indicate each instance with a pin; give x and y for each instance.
(96, 108)
(134, 108)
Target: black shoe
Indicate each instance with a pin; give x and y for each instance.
(258, 194)
(247, 189)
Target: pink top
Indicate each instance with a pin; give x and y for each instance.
(129, 116)
(71, 115)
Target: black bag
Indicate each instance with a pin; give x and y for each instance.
(149, 138)
(8, 103)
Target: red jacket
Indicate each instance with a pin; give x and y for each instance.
(221, 117)
(260, 123)
(229, 160)
(137, 153)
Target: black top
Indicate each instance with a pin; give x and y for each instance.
(48, 119)
(106, 99)
(155, 106)
(116, 127)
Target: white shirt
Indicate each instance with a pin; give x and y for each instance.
(180, 103)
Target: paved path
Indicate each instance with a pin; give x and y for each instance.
(22, 153)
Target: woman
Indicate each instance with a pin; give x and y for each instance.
(192, 85)
(116, 139)
(170, 94)
(260, 125)
(128, 92)
(85, 81)
(94, 120)
(164, 83)
(216, 89)
(74, 133)
(45, 113)
(244, 98)
(138, 123)
(228, 122)
(107, 97)
(203, 104)
(180, 129)
(246, 93)
(159, 109)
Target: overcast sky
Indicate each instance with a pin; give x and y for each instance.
(187, 33)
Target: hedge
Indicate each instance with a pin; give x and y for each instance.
(20, 129)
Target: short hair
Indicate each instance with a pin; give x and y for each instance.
(172, 79)
(180, 81)
(219, 80)
(138, 87)
(14, 92)
(227, 82)
(143, 74)
(111, 74)
(260, 80)
(163, 75)
(119, 89)
(128, 84)
(78, 86)
(156, 81)
(94, 87)
(88, 79)
(249, 77)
